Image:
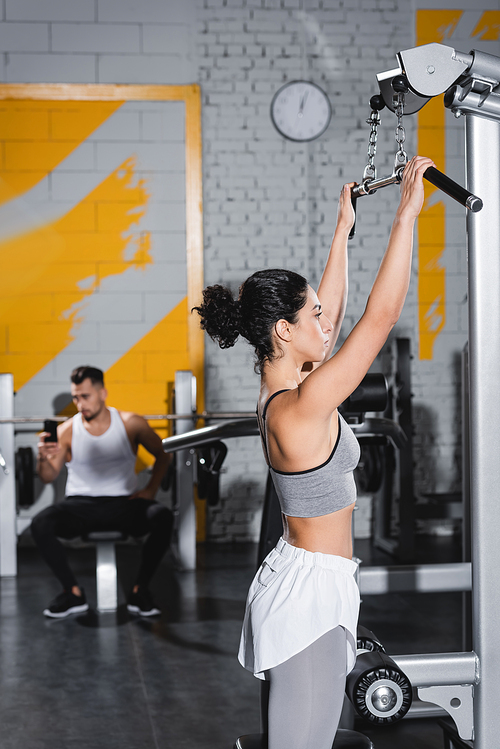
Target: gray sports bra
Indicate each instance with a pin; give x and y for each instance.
(321, 490)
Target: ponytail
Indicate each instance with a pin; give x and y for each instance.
(219, 313)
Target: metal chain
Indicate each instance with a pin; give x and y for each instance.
(401, 158)
(373, 120)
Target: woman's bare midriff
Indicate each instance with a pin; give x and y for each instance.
(328, 534)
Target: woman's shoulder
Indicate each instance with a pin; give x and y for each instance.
(285, 409)
(267, 397)
(296, 440)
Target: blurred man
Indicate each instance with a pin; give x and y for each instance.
(99, 447)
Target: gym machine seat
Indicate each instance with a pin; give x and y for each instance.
(344, 739)
(106, 577)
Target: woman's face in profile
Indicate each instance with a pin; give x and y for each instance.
(311, 333)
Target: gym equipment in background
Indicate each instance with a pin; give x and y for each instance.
(397, 506)
(25, 477)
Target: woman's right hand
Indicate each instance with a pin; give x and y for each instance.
(345, 214)
(412, 187)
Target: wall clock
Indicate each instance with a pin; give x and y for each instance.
(300, 111)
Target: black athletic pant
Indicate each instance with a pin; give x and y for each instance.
(77, 516)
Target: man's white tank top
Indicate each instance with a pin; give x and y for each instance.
(101, 466)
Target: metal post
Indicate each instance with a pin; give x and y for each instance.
(466, 539)
(185, 403)
(8, 534)
(416, 578)
(106, 576)
(483, 178)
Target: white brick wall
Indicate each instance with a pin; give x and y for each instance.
(98, 41)
(268, 202)
(49, 10)
(95, 37)
(50, 68)
(24, 37)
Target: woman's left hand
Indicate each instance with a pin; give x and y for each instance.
(412, 187)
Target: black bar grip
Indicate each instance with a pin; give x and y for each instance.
(354, 200)
(453, 189)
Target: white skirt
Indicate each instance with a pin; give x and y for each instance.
(295, 598)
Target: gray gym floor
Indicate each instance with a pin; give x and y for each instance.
(113, 680)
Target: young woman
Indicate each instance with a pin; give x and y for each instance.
(299, 631)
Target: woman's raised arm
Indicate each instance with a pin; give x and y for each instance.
(332, 290)
(330, 384)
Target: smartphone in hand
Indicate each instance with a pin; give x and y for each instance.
(51, 427)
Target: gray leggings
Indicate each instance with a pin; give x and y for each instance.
(307, 693)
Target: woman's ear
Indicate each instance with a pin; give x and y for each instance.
(283, 330)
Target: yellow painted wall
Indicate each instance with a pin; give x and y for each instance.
(432, 26)
(488, 26)
(145, 370)
(37, 135)
(49, 271)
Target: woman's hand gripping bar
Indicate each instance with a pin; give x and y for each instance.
(432, 175)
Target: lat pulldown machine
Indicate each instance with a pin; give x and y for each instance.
(464, 684)
(397, 96)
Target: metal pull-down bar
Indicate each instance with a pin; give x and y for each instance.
(432, 175)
